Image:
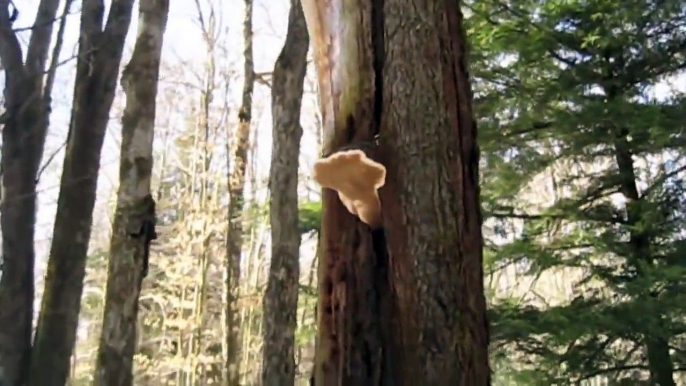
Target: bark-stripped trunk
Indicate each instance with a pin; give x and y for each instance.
(134, 221)
(352, 338)
(234, 242)
(25, 125)
(429, 326)
(100, 53)
(281, 297)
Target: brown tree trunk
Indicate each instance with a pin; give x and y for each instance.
(353, 339)
(281, 297)
(134, 221)
(405, 304)
(431, 202)
(100, 53)
(234, 242)
(23, 134)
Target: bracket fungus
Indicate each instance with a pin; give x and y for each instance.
(356, 178)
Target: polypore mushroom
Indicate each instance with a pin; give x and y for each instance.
(356, 178)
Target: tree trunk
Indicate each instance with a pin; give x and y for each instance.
(353, 341)
(134, 221)
(659, 358)
(431, 203)
(234, 242)
(23, 134)
(100, 53)
(281, 297)
(428, 327)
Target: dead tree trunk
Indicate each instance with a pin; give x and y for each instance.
(23, 136)
(352, 336)
(234, 242)
(401, 300)
(100, 53)
(134, 221)
(281, 297)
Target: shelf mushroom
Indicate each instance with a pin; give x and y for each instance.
(356, 178)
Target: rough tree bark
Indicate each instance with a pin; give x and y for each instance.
(405, 304)
(134, 221)
(27, 105)
(99, 56)
(281, 297)
(234, 242)
(431, 203)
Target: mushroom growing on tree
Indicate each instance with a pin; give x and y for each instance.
(402, 303)
(356, 178)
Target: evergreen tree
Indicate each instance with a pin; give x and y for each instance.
(567, 87)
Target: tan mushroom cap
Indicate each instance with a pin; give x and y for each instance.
(356, 178)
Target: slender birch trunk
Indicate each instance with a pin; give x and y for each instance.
(134, 220)
(234, 242)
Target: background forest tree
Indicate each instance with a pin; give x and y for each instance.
(586, 98)
(580, 108)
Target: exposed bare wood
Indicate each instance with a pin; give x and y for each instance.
(350, 340)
